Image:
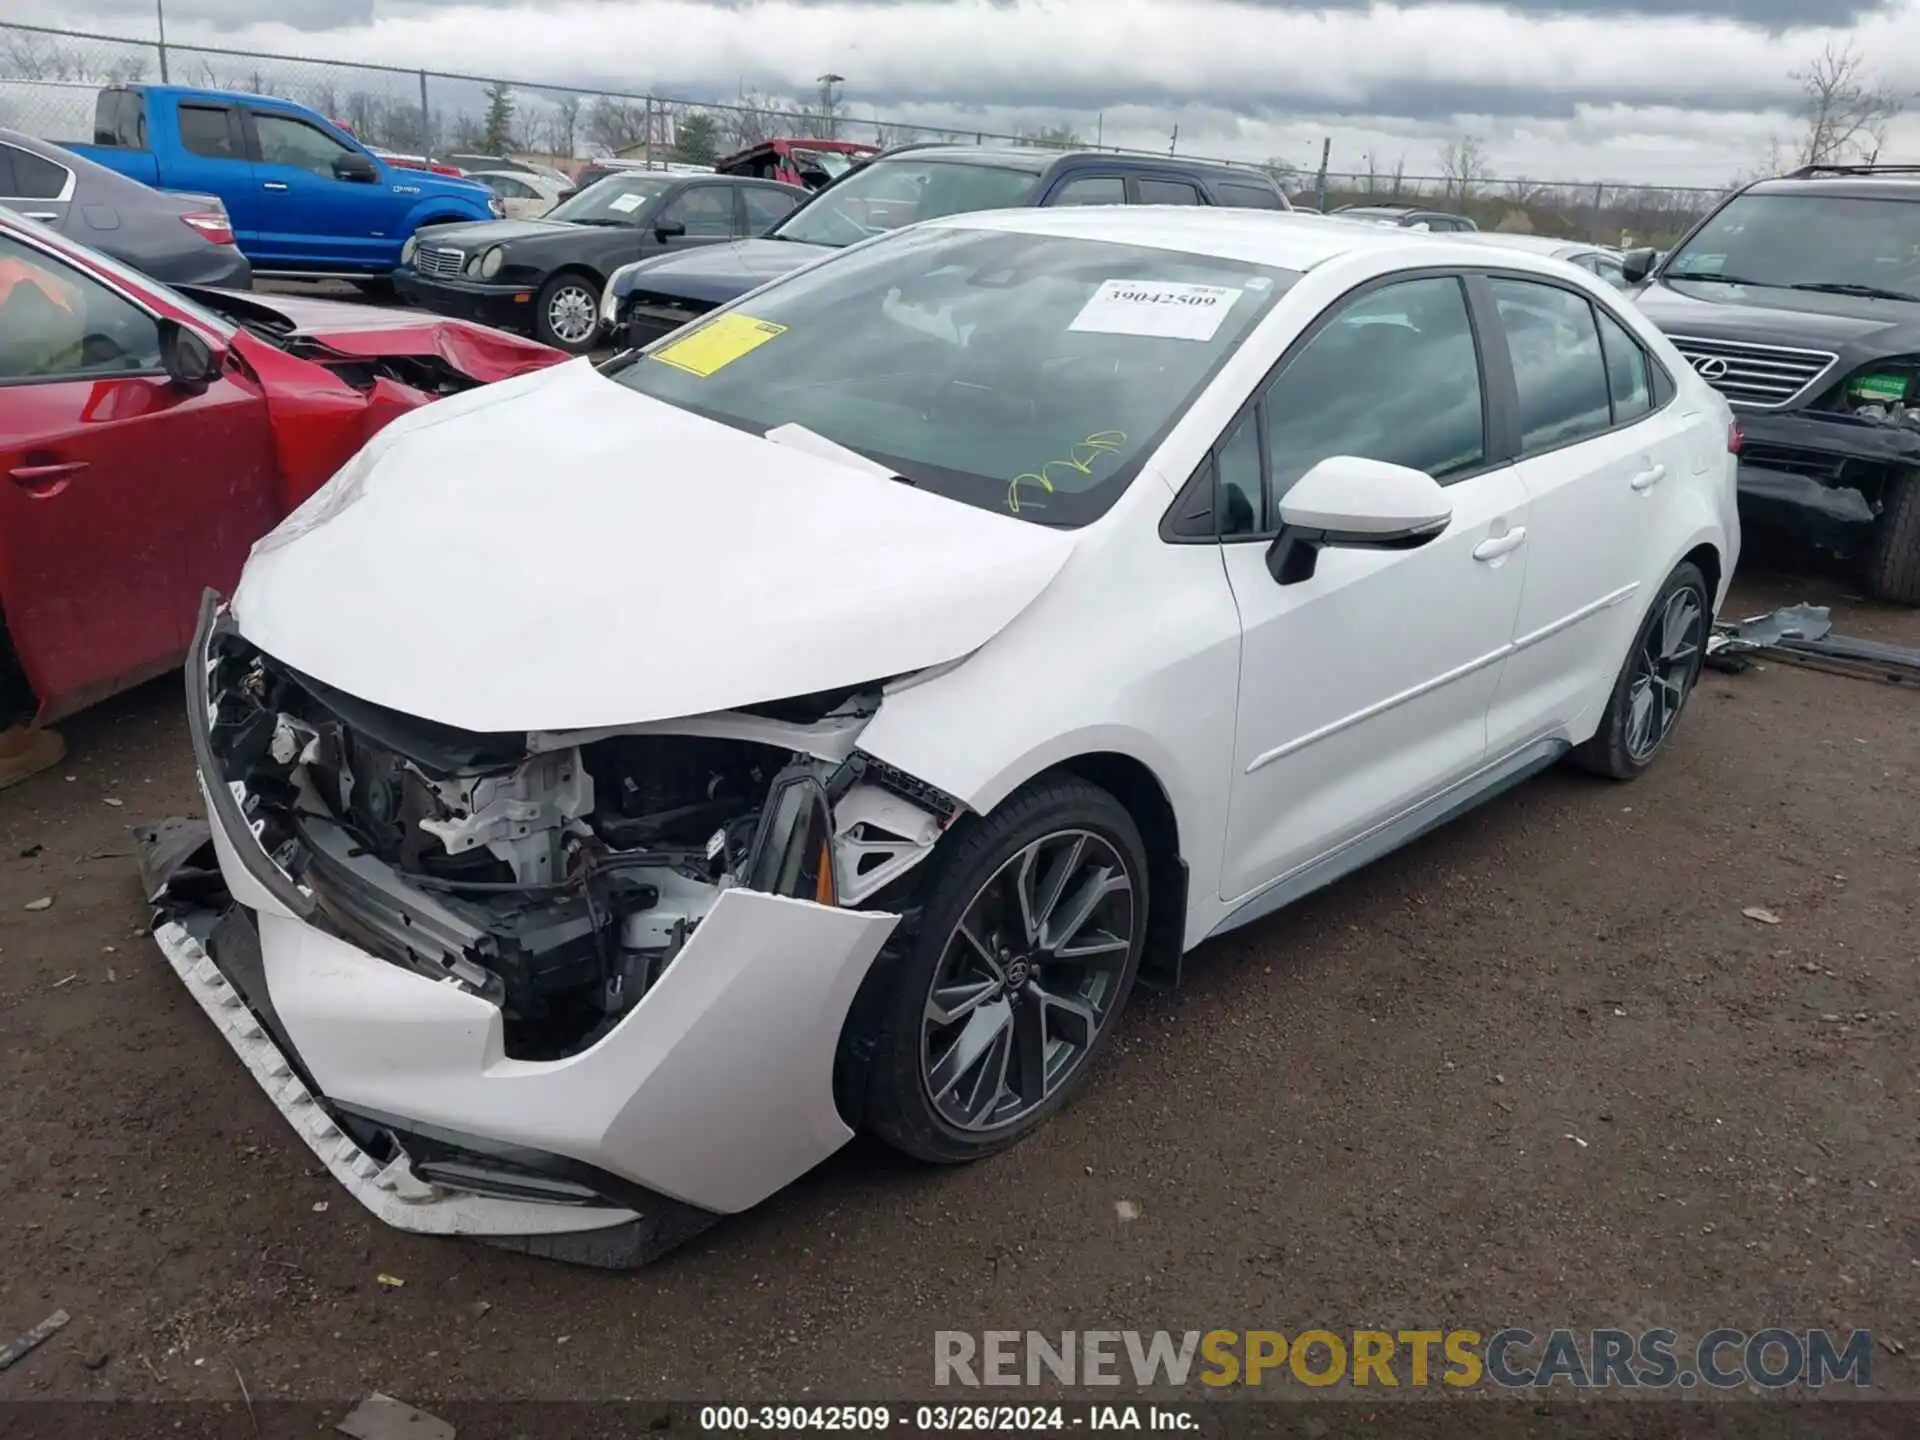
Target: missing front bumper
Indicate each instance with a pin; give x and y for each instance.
(712, 1092)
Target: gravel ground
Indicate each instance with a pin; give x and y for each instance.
(1356, 1114)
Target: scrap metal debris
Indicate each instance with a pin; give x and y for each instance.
(381, 1417)
(36, 1337)
(1803, 635)
(1765, 917)
(45, 902)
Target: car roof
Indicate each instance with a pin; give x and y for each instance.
(1538, 244)
(1037, 160)
(1280, 238)
(1843, 184)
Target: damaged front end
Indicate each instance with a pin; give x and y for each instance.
(632, 916)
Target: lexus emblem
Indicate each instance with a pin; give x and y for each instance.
(1710, 367)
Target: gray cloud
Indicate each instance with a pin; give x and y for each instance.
(322, 15)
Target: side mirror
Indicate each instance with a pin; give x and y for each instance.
(355, 166)
(669, 230)
(1636, 265)
(1352, 503)
(190, 362)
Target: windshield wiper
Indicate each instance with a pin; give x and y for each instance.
(1870, 292)
(1712, 277)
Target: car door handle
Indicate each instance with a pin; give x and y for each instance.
(46, 481)
(1649, 478)
(273, 185)
(42, 215)
(1498, 545)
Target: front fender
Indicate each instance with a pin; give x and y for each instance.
(442, 210)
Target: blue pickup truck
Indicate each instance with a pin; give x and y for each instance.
(305, 197)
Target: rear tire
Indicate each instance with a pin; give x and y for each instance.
(1893, 565)
(1026, 951)
(566, 314)
(1655, 681)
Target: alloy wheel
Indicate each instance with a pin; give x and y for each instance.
(1664, 668)
(1027, 981)
(573, 314)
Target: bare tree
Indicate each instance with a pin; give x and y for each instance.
(566, 124)
(616, 124)
(26, 56)
(1399, 175)
(1053, 137)
(1846, 110)
(749, 121)
(1769, 161)
(1524, 192)
(1464, 164)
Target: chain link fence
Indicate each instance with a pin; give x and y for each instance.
(48, 78)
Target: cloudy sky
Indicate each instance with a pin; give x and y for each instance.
(1654, 91)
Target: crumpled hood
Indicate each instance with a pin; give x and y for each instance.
(716, 273)
(560, 552)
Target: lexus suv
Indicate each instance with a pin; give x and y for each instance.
(1799, 300)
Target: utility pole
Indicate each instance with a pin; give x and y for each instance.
(160, 14)
(829, 117)
(1173, 140)
(1320, 184)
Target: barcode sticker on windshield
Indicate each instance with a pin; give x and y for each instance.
(1166, 309)
(626, 204)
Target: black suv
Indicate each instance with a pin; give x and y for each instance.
(646, 300)
(1799, 300)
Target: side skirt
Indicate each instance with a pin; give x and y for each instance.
(1388, 836)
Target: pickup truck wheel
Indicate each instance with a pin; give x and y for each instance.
(567, 313)
(1893, 565)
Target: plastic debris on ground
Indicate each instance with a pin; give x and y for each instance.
(1803, 635)
(381, 1417)
(16, 1349)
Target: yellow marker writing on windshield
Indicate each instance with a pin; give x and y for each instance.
(1079, 459)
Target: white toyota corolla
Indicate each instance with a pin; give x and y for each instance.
(630, 780)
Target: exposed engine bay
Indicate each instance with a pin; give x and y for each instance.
(558, 876)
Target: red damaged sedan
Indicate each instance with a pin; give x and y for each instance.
(150, 435)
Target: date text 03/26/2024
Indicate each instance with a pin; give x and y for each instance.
(959, 1419)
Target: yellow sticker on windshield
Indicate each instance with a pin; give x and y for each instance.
(718, 343)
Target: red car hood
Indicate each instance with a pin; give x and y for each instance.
(369, 332)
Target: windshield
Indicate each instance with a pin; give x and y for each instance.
(1822, 242)
(612, 201)
(1029, 374)
(890, 193)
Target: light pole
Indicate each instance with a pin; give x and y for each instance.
(160, 14)
(829, 115)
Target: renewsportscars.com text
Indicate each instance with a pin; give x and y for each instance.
(1511, 1358)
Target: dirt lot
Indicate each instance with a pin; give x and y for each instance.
(1356, 1114)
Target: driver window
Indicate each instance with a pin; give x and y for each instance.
(1394, 376)
(706, 211)
(56, 323)
(287, 141)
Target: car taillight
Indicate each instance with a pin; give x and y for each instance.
(1734, 437)
(213, 224)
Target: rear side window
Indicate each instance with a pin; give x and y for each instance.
(120, 119)
(34, 176)
(1247, 197)
(204, 130)
(1092, 190)
(1626, 370)
(1557, 365)
(1167, 192)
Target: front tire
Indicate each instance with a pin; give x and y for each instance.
(1658, 676)
(1029, 941)
(1893, 565)
(566, 314)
